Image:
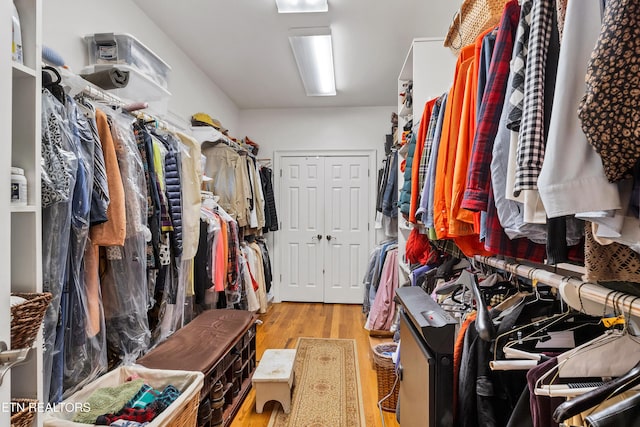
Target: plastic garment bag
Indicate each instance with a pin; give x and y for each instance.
(249, 292)
(169, 287)
(266, 260)
(233, 289)
(59, 166)
(174, 277)
(259, 277)
(124, 282)
(85, 356)
(254, 277)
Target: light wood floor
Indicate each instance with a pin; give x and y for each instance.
(282, 326)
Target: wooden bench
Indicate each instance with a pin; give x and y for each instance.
(222, 345)
(274, 378)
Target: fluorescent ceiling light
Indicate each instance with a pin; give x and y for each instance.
(314, 55)
(301, 6)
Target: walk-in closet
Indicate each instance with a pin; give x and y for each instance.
(337, 213)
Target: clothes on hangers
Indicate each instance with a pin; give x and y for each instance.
(125, 241)
(237, 272)
(270, 213)
(372, 278)
(232, 181)
(382, 311)
(421, 164)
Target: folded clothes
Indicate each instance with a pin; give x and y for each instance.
(161, 401)
(107, 400)
(144, 397)
(127, 414)
(168, 396)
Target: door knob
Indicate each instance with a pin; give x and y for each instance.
(319, 237)
(329, 237)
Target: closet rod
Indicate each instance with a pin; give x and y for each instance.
(522, 270)
(607, 300)
(98, 94)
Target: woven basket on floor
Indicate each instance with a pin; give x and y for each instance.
(26, 318)
(386, 374)
(474, 17)
(23, 417)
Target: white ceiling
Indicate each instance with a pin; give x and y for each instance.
(242, 45)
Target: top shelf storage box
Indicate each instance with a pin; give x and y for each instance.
(114, 48)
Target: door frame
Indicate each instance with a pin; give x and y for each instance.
(277, 162)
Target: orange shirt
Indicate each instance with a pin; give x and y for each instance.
(417, 156)
(461, 220)
(453, 127)
(448, 140)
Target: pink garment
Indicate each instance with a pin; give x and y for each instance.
(384, 308)
(219, 260)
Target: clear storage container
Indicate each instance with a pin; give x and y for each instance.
(115, 48)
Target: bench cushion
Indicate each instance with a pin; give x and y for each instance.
(200, 344)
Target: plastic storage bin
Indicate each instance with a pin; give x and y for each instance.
(181, 413)
(140, 88)
(115, 48)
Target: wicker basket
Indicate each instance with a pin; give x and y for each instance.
(183, 412)
(388, 386)
(474, 17)
(26, 318)
(187, 416)
(25, 417)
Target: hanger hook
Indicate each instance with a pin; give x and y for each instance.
(51, 69)
(582, 310)
(616, 304)
(620, 300)
(606, 302)
(630, 309)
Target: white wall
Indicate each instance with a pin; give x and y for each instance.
(66, 21)
(317, 128)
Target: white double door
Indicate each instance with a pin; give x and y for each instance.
(324, 238)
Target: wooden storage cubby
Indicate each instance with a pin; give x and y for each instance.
(222, 345)
(244, 351)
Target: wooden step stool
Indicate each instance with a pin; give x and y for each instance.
(273, 378)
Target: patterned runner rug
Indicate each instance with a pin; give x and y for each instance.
(327, 390)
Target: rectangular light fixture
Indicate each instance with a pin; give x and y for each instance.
(313, 51)
(302, 6)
